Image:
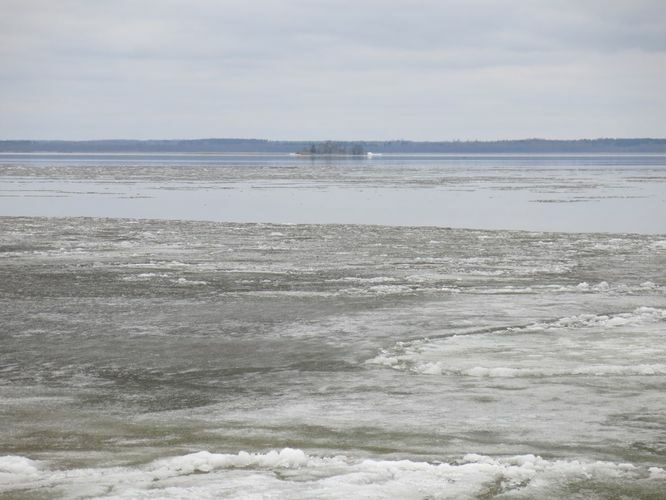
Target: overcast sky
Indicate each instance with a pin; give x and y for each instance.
(332, 69)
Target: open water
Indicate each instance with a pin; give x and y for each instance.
(277, 327)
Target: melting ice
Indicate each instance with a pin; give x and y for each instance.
(146, 358)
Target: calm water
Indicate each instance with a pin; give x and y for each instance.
(582, 194)
(228, 355)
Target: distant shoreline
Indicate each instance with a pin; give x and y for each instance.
(250, 154)
(353, 148)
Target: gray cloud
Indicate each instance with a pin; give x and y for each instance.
(339, 69)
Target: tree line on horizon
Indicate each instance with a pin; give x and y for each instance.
(603, 145)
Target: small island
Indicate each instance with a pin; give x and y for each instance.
(330, 148)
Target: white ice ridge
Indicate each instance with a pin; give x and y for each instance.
(15, 465)
(581, 345)
(205, 461)
(637, 316)
(439, 368)
(291, 473)
(404, 363)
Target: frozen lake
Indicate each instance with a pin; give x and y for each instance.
(228, 354)
(544, 193)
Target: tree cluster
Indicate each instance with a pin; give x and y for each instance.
(333, 148)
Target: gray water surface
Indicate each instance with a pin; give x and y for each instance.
(158, 358)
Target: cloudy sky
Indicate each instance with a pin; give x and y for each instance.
(332, 69)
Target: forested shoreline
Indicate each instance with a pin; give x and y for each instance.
(535, 146)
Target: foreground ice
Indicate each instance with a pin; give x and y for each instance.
(290, 473)
(384, 362)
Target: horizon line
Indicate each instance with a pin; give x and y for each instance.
(522, 139)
